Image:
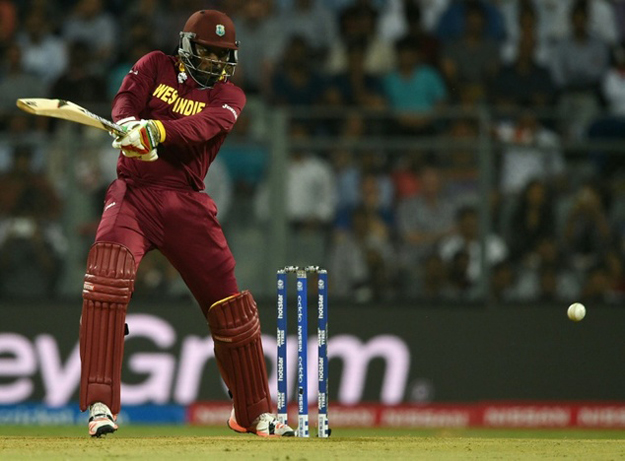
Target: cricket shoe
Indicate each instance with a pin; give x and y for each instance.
(101, 420)
(266, 425)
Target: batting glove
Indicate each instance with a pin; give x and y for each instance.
(140, 139)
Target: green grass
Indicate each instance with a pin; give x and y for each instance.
(189, 442)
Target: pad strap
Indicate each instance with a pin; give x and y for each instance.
(235, 328)
(109, 283)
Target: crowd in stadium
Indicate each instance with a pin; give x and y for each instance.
(401, 222)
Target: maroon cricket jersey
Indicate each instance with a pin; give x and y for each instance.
(196, 121)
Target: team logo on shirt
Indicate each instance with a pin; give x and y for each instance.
(220, 30)
(181, 105)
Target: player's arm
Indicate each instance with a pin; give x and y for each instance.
(136, 88)
(142, 136)
(217, 118)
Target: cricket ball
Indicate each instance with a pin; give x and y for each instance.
(576, 312)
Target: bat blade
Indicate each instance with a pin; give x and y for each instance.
(67, 110)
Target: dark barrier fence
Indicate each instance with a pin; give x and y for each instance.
(379, 353)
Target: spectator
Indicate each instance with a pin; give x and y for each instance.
(31, 242)
(151, 17)
(372, 197)
(614, 261)
(547, 275)
(456, 20)
(357, 28)
(376, 184)
(432, 10)
(523, 20)
(392, 21)
(311, 20)
(310, 189)
(22, 129)
(531, 166)
(95, 169)
(264, 42)
(297, 83)
(503, 282)
(461, 168)
(472, 59)
(395, 16)
(405, 174)
(578, 65)
(247, 158)
(596, 287)
(611, 126)
(128, 57)
(16, 82)
(55, 12)
(8, 21)
(613, 84)
(580, 61)
(90, 23)
(364, 163)
(362, 258)
(355, 86)
(21, 184)
(177, 12)
(219, 186)
(620, 19)
(533, 219)
(524, 83)
(43, 54)
(529, 151)
(311, 196)
(425, 219)
(137, 32)
(548, 285)
(602, 19)
(160, 279)
(460, 287)
(587, 232)
(347, 176)
(414, 29)
(153, 281)
(79, 83)
(353, 126)
(435, 283)
(466, 239)
(553, 22)
(415, 90)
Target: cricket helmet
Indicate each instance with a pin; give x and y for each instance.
(214, 30)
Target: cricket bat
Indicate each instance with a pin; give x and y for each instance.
(67, 110)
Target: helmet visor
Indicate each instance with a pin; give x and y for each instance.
(207, 65)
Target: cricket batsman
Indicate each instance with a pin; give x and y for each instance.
(176, 112)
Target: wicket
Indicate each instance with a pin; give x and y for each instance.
(302, 350)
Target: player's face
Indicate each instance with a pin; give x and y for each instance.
(212, 59)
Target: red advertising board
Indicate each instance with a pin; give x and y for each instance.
(529, 415)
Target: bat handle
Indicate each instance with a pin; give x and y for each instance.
(116, 130)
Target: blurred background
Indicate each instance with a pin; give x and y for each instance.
(436, 156)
